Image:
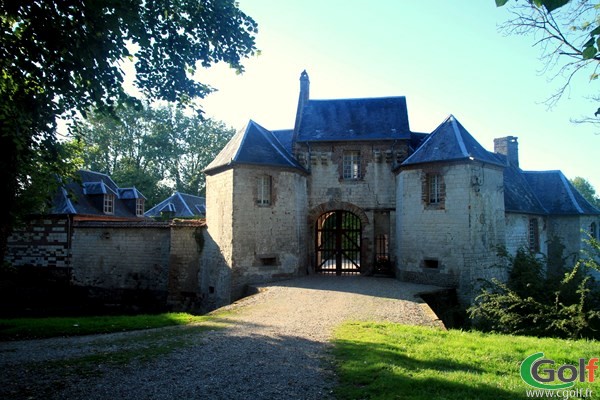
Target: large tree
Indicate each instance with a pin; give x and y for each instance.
(567, 32)
(158, 149)
(60, 58)
(585, 188)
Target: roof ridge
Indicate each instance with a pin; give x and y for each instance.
(459, 138)
(184, 203)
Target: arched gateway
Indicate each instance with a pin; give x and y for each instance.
(338, 238)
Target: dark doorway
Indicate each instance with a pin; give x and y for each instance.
(338, 240)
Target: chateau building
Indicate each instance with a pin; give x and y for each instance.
(352, 190)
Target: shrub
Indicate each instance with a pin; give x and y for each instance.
(564, 303)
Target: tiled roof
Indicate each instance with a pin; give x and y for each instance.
(181, 205)
(557, 194)
(450, 142)
(354, 119)
(254, 145)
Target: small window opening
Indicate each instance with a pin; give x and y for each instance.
(266, 261)
(431, 263)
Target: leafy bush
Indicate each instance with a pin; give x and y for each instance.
(562, 302)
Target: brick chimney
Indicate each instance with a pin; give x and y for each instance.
(508, 146)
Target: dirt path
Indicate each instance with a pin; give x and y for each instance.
(273, 345)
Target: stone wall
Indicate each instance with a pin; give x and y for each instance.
(269, 240)
(120, 255)
(374, 190)
(453, 243)
(517, 226)
(217, 255)
(152, 265)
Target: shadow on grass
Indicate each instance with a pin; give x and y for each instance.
(375, 371)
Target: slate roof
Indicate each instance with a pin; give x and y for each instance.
(519, 196)
(81, 197)
(557, 194)
(181, 205)
(254, 145)
(383, 118)
(285, 137)
(450, 142)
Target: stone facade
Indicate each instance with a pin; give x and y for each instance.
(453, 243)
(437, 207)
(372, 197)
(257, 242)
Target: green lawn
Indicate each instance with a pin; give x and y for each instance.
(391, 361)
(36, 328)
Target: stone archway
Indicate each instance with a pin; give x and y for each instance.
(337, 242)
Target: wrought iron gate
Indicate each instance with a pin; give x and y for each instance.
(338, 240)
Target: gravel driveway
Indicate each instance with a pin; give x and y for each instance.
(272, 345)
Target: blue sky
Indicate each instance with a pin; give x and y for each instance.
(446, 57)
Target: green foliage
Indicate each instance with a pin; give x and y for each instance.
(156, 149)
(585, 188)
(61, 58)
(563, 303)
(393, 361)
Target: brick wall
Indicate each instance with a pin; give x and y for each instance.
(42, 242)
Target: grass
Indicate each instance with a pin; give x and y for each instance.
(37, 328)
(390, 361)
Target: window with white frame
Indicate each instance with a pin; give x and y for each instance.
(434, 190)
(351, 165)
(139, 207)
(263, 197)
(109, 203)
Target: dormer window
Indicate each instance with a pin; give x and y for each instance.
(139, 207)
(109, 203)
